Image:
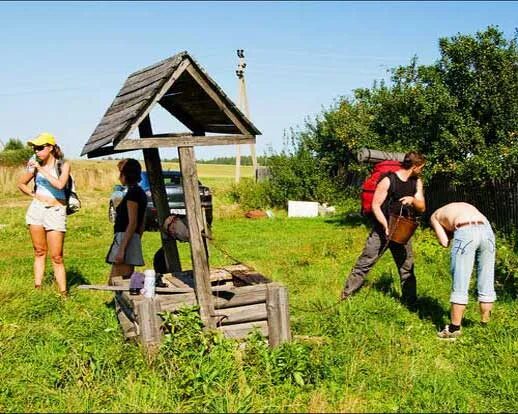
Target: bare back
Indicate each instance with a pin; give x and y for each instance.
(453, 214)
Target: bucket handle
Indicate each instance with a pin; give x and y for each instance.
(407, 209)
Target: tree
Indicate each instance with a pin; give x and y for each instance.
(13, 144)
(461, 112)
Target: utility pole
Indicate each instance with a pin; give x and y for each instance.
(242, 104)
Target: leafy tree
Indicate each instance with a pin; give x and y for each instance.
(13, 144)
(461, 112)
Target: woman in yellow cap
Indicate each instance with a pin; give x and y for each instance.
(46, 215)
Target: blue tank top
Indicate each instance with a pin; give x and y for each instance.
(45, 188)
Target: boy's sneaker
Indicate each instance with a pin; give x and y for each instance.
(446, 334)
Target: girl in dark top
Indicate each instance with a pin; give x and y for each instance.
(126, 250)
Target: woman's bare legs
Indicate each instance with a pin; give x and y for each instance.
(55, 240)
(39, 244)
(122, 270)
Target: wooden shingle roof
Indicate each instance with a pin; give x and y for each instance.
(183, 89)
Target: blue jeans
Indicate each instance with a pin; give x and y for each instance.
(470, 242)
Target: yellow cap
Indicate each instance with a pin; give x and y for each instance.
(43, 139)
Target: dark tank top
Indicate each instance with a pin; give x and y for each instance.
(397, 190)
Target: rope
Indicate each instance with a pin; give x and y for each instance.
(307, 310)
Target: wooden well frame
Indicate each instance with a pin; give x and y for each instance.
(187, 92)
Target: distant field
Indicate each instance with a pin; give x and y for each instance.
(97, 175)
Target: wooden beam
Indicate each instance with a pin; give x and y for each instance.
(241, 330)
(149, 324)
(101, 152)
(278, 314)
(159, 195)
(217, 99)
(226, 297)
(184, 141)
(241, 314)
(200, 262)
(125, 288)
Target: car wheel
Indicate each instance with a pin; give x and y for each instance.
(111, 213)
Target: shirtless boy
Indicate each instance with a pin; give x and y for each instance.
(472, 237)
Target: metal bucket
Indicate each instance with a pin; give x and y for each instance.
(401, 228)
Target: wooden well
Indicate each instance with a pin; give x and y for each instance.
(188, 93)
(237, 309)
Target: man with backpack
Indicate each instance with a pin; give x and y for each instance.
(395, 192)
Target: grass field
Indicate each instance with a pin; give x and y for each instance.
(369, 354)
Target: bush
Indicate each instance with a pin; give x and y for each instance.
(13, 144)
(15, 153)
(506, 266)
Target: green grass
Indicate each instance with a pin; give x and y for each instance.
(368, 354)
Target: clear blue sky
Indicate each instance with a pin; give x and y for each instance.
(62, 63)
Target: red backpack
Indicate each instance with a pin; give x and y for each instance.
(380, 171)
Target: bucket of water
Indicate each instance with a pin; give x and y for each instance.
(401, 228)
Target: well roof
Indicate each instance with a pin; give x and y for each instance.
(169, 84)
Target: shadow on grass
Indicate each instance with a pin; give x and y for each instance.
(426, 307)
(75, 278)
(349, 220)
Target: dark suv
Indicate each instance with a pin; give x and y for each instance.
(174, 190)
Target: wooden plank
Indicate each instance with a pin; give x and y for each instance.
(127, 302)
(247, 277)
(126, 288)
(129, 329)
(165, 62)
(185, 141)
(223, 298)
(217, 99)
(159, 196)
(103, 127)
(141, 94)
(246, 295)
(198, 250)
(278, 314)
(177, 281)
(162, 70)
(109, 134)
(241, 330)
(149, 323)
(101, 152)
(241, 314)
(132, 86)
(122, 113)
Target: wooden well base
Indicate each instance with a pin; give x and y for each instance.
(255, 303)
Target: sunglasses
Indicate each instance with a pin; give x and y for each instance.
(38, 148)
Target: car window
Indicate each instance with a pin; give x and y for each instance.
(172, 180)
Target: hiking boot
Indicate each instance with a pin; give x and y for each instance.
(446, 334)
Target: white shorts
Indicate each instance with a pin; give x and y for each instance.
(50, 217)
(133, 255)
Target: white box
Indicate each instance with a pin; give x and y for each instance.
(302, 208)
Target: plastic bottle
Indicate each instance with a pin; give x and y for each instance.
(149, 283)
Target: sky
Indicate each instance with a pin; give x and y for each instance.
(62, 63)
